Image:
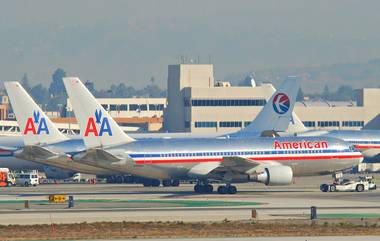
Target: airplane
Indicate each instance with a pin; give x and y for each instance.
(268, 160)
(45, 145)
(366, 141)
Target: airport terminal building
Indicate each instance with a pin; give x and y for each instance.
(198, 103)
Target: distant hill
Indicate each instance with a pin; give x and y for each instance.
(313, 79)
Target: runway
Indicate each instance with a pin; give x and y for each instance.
(127, 202)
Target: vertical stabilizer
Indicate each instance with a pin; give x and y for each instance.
(35, 126)
(97, 127)
(277, 113)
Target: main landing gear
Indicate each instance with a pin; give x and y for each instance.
(227, 189)
(208, 188)
(203, 188)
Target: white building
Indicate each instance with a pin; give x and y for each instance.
(197, 104)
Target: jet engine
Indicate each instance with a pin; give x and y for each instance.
(274, 175)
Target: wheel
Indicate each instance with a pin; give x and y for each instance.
(222, 190)
(359, 188)
(199, 188)
(119, 179)
(209, 188)
(166, 183)
(175, 182)
(147, 183)
(332, 188)
(231, 190)
(324, 188)
(110, 179)
(156, 183)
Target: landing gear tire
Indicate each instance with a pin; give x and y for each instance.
(119, 179)
(199, 188)
(203, 188)
(209, 188)
(175, 183)
(222, 190)
(359, 188)
(166, 183)
(231, 190)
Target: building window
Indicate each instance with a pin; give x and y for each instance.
(232, 102)
(230, 124)
(328, 123)
(156, 107)
(113, 107)
(123, 107)
(309, 123)
(133, 107)
(205, 124)
(353, 123)
(246, 123)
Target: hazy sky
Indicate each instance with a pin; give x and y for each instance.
(130, 41)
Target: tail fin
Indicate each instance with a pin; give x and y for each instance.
(35, 126)
(296, 125)
(277, 112)
(97, 127)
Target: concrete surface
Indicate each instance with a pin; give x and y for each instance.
(126, 202)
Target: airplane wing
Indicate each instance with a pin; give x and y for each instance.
(229, 166)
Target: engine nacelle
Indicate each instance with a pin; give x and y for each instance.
(274, 175)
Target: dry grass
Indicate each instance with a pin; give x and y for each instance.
(109, 230)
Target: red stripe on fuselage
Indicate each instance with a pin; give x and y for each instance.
(278, 158)
(367, 147)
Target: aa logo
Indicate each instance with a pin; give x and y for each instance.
(93, 124)
(36, 125)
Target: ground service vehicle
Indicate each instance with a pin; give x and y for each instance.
(27, 179)
(363, 183)
(6, 178)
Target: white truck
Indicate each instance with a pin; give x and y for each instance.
(363, 183)
(82, 177)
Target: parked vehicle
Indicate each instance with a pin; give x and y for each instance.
(7, 179)
(27, 179)
(81, 177)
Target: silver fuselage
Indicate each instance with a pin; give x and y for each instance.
(175, 158)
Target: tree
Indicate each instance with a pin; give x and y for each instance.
(57, 87)
(300, 95)
(40, 95)
(57, 91)
(25, 82)
(344, 93)
(326, 93)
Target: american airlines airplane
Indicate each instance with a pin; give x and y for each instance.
(269, 160)
(44, 144)
(366, 141)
